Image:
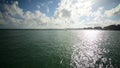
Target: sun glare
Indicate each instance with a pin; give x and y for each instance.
(91, 34)
(87, 52)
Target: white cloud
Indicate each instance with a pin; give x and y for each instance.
(113, 11)
(16, 16)
(13, 9)
(70, 13)
(75, 9)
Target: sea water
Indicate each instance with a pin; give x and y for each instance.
(59, 49)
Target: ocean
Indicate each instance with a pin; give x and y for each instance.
(59, 49)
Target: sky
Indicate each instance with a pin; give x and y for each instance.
(58, 14)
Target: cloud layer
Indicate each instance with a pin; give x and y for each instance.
(113, 11)
(69, 14)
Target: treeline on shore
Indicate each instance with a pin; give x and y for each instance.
(110, 27)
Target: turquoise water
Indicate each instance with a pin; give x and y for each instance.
(59, 49)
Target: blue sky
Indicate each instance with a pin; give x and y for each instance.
(32, 5)
(45, 14)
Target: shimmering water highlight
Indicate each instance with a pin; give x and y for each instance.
(59, 49)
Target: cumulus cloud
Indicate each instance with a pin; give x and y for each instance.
(68, 14)
(75, 11)
(80, 14)
(113, 11)
(16, 16)
(13, 9)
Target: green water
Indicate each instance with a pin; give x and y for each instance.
(59, 49)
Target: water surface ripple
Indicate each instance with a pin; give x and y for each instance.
(91, 50)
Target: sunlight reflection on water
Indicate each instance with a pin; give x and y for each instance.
(87, 52)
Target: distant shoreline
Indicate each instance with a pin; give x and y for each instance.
(111, 27)
(60, 29)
